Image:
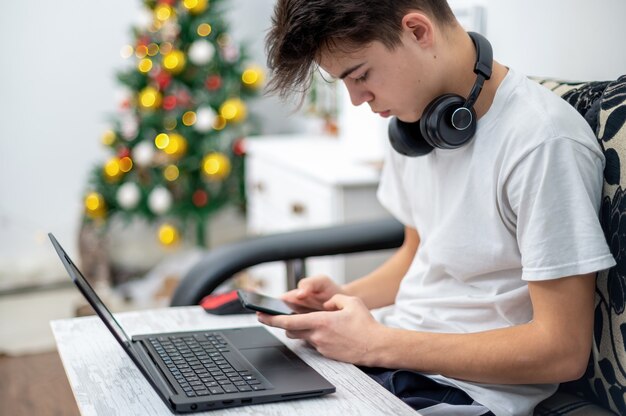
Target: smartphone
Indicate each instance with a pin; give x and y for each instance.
(270, 305)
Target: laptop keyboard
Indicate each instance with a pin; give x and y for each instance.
(197, 362)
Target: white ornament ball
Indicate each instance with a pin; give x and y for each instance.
(144, 18)
(129, 127)
(143, 153)
(128, 195)
(170, 30)
(201, 52)
(230, 53)
(205, 118)
(160, 200)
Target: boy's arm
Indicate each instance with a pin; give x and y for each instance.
(379, 288)
(553, 347)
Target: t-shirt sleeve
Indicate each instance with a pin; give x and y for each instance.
(391, 190)
(554, 196)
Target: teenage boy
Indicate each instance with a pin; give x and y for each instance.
(493, 287)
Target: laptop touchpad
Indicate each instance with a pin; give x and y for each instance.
(269, 358)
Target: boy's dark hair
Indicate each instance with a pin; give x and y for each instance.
(301, 29)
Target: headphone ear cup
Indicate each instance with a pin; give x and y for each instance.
(436, 123)
(406, 138)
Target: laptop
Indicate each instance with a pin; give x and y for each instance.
(212, 369)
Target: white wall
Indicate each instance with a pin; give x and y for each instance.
(57, 87)
(568, 39)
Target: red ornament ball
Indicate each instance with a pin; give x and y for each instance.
(143, 41)
(169, 102)
(200, 198)
(123, 152)
(183, 98)
(213, 82)
(163, 79)
(239, 147)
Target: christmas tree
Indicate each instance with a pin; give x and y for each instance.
(176, 144)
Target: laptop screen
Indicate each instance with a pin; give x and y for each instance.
(90, 295)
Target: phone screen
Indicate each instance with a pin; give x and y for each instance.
(270, 305)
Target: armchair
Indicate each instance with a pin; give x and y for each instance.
(603, 388)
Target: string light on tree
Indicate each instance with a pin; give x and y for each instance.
(171, 173)
(253, 77)
(216, 166)
(219, 123)
(204, 29)
(195, 6)
(233, 110)
(95, 207)
(150, 98)
(108, 138)
(177, 146)
(174, 61)
(168, 235)
(112, 169)
(163, 12)
(145, 65)
(189, 118)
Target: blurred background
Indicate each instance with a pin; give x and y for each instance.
(60, 97)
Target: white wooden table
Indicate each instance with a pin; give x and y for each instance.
(106, 382)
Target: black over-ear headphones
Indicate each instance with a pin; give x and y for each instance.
(449, 121)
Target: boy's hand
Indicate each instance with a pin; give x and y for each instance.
(345, 331)
(313, 292)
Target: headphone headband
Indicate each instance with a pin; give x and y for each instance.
(482, 68)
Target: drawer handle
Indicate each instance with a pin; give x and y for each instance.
(298, 208)
(259, 187)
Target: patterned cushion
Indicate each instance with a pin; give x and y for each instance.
(603, 104)
(563, 403)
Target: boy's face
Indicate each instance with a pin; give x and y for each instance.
(398, 82)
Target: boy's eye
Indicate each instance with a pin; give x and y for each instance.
(362, 78)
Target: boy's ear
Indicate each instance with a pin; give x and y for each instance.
(419, 27)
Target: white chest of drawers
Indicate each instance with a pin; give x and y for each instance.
(300, 182)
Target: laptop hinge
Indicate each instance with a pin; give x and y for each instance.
(142, 351)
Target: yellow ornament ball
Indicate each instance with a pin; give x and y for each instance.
(233, 110)
(150, 98)
(95, 207)
(253, 77)
(163, 12)
(145, 65)
(174, 62)
(195, 6)
(113, 169)
(108, 137)
(216, 166)
(176, 146)
(168, 235)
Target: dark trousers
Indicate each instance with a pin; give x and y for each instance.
(417, 390)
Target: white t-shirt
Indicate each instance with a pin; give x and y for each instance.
(519, 203)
